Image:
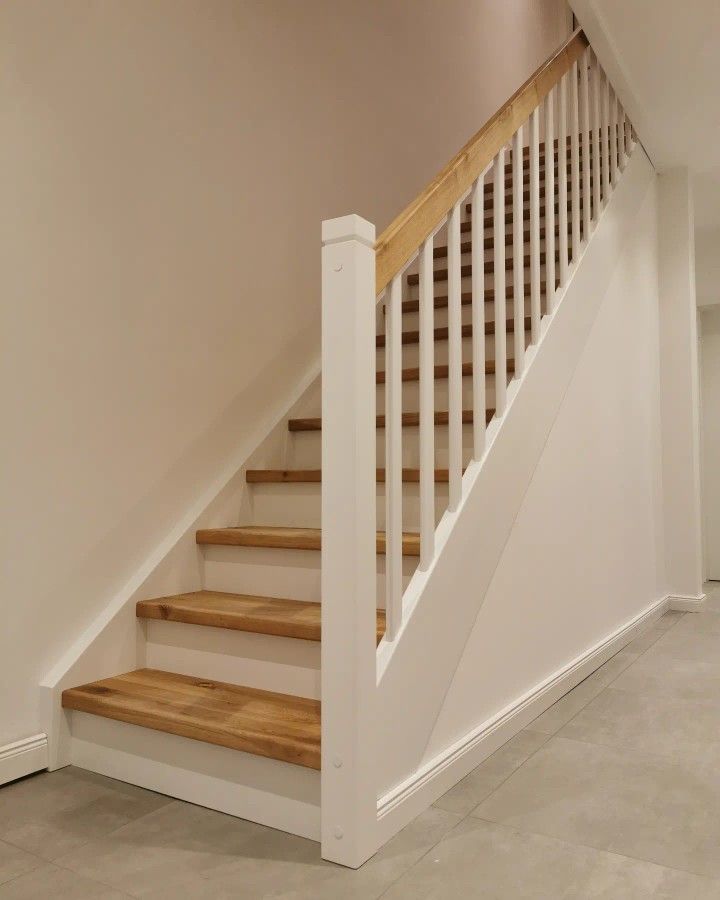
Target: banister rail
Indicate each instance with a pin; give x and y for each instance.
(403, 236)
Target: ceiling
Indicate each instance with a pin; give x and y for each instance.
(664, 58)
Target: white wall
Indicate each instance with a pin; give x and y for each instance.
(710, 393)
(585, 553)
(166, 167)
(707, 265)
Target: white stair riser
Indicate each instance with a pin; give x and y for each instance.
(411, 320)
(298, 505)
(267, 662)
(411, 352)
(411, 394)
(304, 451)
(273, 793)
(294, 574)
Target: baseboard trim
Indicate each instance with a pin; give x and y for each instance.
(23, 757)
(434, 778)
(692, 603)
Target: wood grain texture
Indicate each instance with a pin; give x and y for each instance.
(441, 334)
(278, 726)
(403, 236)
(243, 612)
(287, 538)
(409, 419)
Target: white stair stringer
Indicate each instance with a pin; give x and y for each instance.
(470, 542)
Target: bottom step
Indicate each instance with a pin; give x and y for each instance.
(278, 726)
(267, 791)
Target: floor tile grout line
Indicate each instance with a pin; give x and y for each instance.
(507, 777)
(645, 859)
(555, 733)
(610, 683)
(427, 852)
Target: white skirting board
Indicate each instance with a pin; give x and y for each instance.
(430, 782)
(693, 603)
(23, 757)
(278, 794)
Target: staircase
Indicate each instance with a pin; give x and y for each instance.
(232, 672)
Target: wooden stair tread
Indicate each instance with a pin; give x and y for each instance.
(441, 371)
(489, 221)
(441, 334)
(278, 726)
(489, 242)
(280, 538)
(441, 302)
(243, 612)
(409, 419)
(489, 267)
(313, 476)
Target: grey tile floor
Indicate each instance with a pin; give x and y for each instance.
(614, 792)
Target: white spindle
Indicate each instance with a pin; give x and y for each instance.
(575, 160)
(348, 579)
(427, 406)
(562, 178)
(454, 360)
(613, 138)
(478, 315)
(586, 163)
(393, 459)
(499, 279)
(596, 137)
(535, 300)
(550, 202)
(518, 252)
(623, 139)
(605, 138)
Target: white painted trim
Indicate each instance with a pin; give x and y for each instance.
(23, 757)
(277, 794)
(438, 775)
(686, 604)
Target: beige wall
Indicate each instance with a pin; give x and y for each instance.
(166, 165)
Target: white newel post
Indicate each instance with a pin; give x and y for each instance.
(348, 653)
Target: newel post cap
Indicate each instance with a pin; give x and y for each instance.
(348, 228)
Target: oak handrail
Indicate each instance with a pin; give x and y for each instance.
(405, 234)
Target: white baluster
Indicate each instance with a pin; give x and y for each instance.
(575, 160)
(623, 139)
(550, 203)
(478, 315)
(499, 280)
(348, 570)
(518, 252)
(454, 360)
(535, 298)
(605, 142)
(427, 406)
(595, 143)
(393, 459)
(562, 131)
(586, 163)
